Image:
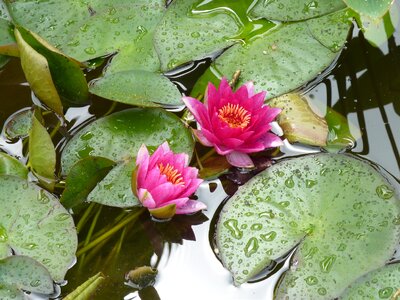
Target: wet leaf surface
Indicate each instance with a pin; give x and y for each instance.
(339, 209)
(25, 206)
(19, 124)
(12, 166)
(374, 9)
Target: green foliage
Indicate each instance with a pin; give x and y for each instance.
(374, 8)
(85, 290)
(340, 211)
(11, 166)
(19, 124)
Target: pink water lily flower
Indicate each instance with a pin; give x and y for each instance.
(234, 123)
(163, 182)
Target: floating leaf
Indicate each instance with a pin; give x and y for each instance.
(213, 167)
(22, 273)
(339, 210)
(42, 155)
(373, 9)
(25, 207)
(115, 189)
(285, 58)
(299, 122)
(288, 10)
(66, 74)
(382, 283)
(119, 136)
(183, 36)
(136, 87)
(82, 178)
(19, 124)
(12, 166)
(36, 70)
(87, 289)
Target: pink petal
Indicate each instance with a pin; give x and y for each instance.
(239, 159)
(142, 155)
(270, 140)
(142, 161)
(165, 192)
(232, 143)
(198, 110)
(222, 150)
(146, 198)
(202, 139)
(251, 148)
(272, 113)
(191, 206)
(192, 186)
(179, 202)
(250, 88)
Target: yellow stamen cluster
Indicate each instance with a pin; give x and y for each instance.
(172, 174)
(234, 115)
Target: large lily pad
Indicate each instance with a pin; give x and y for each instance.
(340, 210)
(285, 58)
(12, 166)
(373, 9)
(289, 10)
(22, 273)
(383, 283)
(33, 223)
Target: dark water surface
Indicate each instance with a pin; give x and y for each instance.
(364, 86)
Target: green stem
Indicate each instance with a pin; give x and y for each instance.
(109, 233)
(110, 226)
(198, 160)
(85, 217)
(111, 109)
(55, 130)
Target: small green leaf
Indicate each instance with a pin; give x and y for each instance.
(42, 155)
(25, 207)
(382, 283)
(82, 178)
(22, 273)
(136, 87)
(299, 123)
(289, 10)
(11, 166)
(37, 73)
(374, 8)
(119, 136)
(213, 167)
(115, 189)
(19, 124)
(339, 211)
(87, 289)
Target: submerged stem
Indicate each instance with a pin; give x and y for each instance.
(85, 217)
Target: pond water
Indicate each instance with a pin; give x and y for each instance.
(363, 85)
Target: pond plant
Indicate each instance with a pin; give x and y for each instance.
(148, 127)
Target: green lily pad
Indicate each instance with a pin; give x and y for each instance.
(284, 58)
(119, 136)
(137, 87)
(373, 9)
(19, 124)
(115, 189)
(289, 10)
(298, 121)
(342, 214)
(383, 283)
(183, 36)
(33, 223)
(22, 273)
(82, 178)
(12, 166)
(42, 155)
(6, 38)
(4, 11)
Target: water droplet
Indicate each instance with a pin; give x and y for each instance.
(322, 291)
(268, 237)
(357, 205)
(195, 34)
(62, 217)
(327, 263)
(251, 247)
(42, 197)
(289, 182)
(311, 280)
(269, 214)
(384, 192)
(35, 283)
(86, 136)
(3, 234)
(90, 50)
(284, 203)
(256, 226)
(385, 292)
(311, 253)
(29, 246)
(310, 183)
(232, 226)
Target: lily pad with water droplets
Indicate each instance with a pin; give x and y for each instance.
(33, 223)
(339, 210)
(284, 58)
(12, 166)
(382, 283)
(289, 10)
(22, 273)
(374, 9)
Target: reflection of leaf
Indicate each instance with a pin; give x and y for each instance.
(19, 124)
(374, 9)
(42, 155)
(11, 166)
(22, 273)
(284, 58)
(119, 136)
(382, 283)
(83, 177)
(289, 10)
(25, 207)
(340, 210)
(299, 123)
